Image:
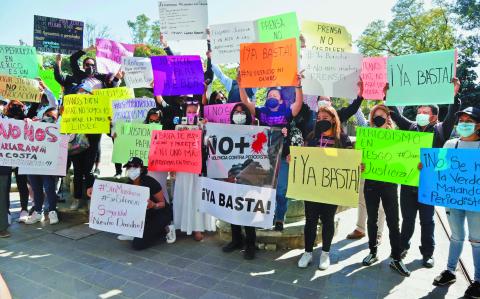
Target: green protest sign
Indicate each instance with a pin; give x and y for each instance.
(392, 155)
(278, 27)
(421, 79)
(19, 61)
(132, 140)
(49, 80)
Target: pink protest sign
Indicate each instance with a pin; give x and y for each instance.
(374, 76)
(110, 53)
(218, 113)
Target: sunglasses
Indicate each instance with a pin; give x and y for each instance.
(89, 64)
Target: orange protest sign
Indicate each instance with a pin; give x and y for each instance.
(269, 64)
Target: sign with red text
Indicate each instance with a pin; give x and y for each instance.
(60, 170)
(110, 53)
(218, 113)
(374, 77)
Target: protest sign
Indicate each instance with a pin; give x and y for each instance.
(22, 89)
(109, 55)
(48, 78)
(85, 114)
(374, 77)
(247, 153)
(184, 19)
(176, 151)
(326, 175)
(118, 208)
(138, 72)
(60, 169)
(29, 144)
(116, 93)
(218, 113)
(57, 35)
(392, 155)
(226, 40)
(450, 178)
(19, 61)
(177, 75)
(421, 79)
(311, 101)
(326, 37)
(132, 110)
(133, 140)
(238, 204)
(269, 64)
(331, 74)
(279, 27)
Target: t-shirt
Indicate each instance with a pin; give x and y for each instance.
(271, 118)
(457, 143)
(148, 181)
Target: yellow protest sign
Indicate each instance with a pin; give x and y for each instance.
(85, 114)
(326, 37)
(22, 89)
(326, 175)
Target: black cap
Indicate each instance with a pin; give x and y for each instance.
(473, 112)
(134, 161)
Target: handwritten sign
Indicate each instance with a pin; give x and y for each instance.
(333, 74)
(327, 175)
(279, 27)
(48, 78)
(85, 114)
(118, 208)
(392, 155)
(19, 61)
(133, 140)
(116, 93)
(226, 40)
(326, 37)
(176, 151)
(218, 113)
(138, 72)
(110, 53)
(29, 144)
(184, 19)
(57, 35)
(269, 64)
(177, 75)
(132, 110)
(450, 178)
(421, 79)
(60, 169)
(22, 89)
(374, 77)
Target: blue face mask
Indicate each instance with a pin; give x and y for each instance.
(423, 119)
(272, 103)
(465, 129)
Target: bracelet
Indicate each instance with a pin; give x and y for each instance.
(300, 86)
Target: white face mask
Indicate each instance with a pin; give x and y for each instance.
(133, 173)
(423, 119)
(239, 119)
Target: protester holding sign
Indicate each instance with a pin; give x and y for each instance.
(66, 81)
(469, 130)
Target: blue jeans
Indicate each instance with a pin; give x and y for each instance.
(456, 220)
(282, 184)
(40, 183)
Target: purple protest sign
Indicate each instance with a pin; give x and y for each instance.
(110, 53)
(218, 113)
(177, 75)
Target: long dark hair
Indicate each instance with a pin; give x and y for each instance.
(213, 97)
(245, 109)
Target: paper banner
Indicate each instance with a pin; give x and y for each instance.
(177, 75)
(60, 169)
(218, 113)
(237, 204)
(226, 40)
(326, 175)
(109, 55)
(22, 89)
(133, 140)
(421, 79)
(374, 77)
(176, 151)
(57, 35)
(326, 37)
(279, 27)
(331, 74)
(450, 178)
(138, 72)
(85, 114)
(118, 208)
(184, 19)
(132, 110)
(19, 61)
(392, 155)
(29, 144)
(269, 64)
(48, 78)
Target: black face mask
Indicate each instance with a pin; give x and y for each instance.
(379, 121)
(90, 70)
(16, 112)
(322, 126)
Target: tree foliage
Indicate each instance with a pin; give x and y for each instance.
(92, 32)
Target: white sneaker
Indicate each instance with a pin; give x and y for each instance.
(324, 261)
(171, 235)
(305, 260)
(34, 218)
(9, 219)
(117, 176)
(75, 204)
(52, 215)
(124, 238)
(23, 216)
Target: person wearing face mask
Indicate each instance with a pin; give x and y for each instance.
(216, 98)
(426, 121)
(386, 193)
(468, 128)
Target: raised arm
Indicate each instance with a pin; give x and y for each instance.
(297, 105)
(449, 121)
(243, 95)
(401, 121)
(226, 81)
(163, 42)
(346, 112)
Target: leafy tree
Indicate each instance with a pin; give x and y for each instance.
(140, 28)
(92, 32)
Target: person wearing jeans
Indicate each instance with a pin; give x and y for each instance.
(5, 173)
(40, 183)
